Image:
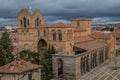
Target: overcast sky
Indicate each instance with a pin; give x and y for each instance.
(99, 11)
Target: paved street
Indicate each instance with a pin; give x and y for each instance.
(105, 71)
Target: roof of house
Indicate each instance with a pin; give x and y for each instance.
(100, 35)
(18, 67)
(82, 39)
(91, 45)
(116, 34)
(58, 25)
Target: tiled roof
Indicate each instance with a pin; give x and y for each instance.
(58, 25)
(18, 67)
(117, 42)
(82, 39)
(116, 34)
(14, 37)
(91, 45)
(80, 19)
(100, 35)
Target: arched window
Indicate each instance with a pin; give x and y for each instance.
(60, 35)
(60, 67)
(54, 35)
(44, 33)
(38, 21)
(78, 24)
(25, 21)
(21, 23)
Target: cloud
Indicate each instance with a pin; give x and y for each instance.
(106, 20)
(9, 21)
(65, 9)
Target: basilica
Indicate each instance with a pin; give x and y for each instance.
(78, 51)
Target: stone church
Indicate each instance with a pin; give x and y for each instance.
(77, 50)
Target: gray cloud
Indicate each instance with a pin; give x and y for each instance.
(99, 11)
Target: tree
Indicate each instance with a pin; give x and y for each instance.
(5, 49)
(28, 55)
(47, 64)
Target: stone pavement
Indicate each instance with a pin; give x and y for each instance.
(105, 71)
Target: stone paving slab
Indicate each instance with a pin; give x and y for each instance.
(105, 71)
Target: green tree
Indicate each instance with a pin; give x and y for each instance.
(5, 49)
(47, 64)
(28, 55)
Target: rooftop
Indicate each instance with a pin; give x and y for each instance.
(18, 67)
(91, 45)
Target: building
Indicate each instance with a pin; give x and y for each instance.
(77, 50)
(20, 70)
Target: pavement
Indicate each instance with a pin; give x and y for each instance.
(109, 70)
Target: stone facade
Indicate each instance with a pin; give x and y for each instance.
(77, 51)
(73, 67)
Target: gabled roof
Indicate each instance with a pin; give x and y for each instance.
(18, 67)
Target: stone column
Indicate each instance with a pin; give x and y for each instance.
(104, 54)
(85, 64)
(97, 57)
(81, 66)
(89, 62)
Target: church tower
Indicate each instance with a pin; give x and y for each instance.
(83, 24)
(28, 22)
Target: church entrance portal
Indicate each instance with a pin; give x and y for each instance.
(42, 47)
(60, 68)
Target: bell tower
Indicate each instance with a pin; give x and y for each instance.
(28, 23)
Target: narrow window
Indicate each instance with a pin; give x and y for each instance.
(78, 23)
(20, 22)
(60, 36)
(54, 36)
(38, 21)
(25, 21)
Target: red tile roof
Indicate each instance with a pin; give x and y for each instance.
(116, 34)
(100, 35)
(117, 42)
(18, 67)
(82, 39)
(91, 45)
(58, 25)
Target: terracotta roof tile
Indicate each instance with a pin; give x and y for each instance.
(100, 35)
(58, 25)
(91, 45)
(116, 34)
(18, 67)
(82, 39)
(117, 42)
